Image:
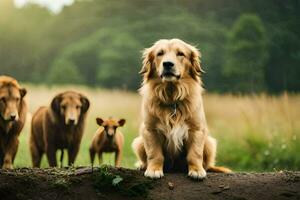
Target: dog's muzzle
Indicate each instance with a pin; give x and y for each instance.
(11, 117)
(169, 71)
(169, 74)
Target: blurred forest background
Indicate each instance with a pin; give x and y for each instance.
(247, 45)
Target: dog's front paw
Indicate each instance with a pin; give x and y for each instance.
(154, 173)
(198, 174)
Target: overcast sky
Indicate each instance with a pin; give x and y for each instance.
(54, 6)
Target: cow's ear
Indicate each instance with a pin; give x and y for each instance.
(99, 121)
(23, 92)
(121, 122)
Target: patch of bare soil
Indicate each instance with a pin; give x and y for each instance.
(113, 184)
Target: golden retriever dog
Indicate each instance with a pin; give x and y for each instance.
(13, 111)
(108, 139)
(57, 127)
(174, 132)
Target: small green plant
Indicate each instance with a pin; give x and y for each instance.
(127, 185)
(61, 183)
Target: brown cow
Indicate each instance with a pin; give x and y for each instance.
(12, 118)
(108, 139)
(59, 126)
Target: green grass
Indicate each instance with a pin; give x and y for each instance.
(257, 133)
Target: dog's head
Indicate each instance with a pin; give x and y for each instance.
(171, 60)
(11, 96)
(110, 125)
(70, 106)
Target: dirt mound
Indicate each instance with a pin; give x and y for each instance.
(110, 183)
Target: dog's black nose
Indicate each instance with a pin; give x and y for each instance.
(12, 117)
(168, 65)
(72, 121)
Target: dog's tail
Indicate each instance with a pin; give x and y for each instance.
(219, 169)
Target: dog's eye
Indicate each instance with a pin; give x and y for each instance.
(17, 99)
(160, 53)
(179, 53)
(64, 107)
(77, 107)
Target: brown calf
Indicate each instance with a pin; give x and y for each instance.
(57, 127)
(12, 118)
(108, 139)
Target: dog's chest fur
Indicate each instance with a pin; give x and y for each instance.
(175, 138)
(172, 105)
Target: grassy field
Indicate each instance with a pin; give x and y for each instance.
(256, 133)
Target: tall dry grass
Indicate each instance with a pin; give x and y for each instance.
(257, 132)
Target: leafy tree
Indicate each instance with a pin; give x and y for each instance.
(118, 60)
(103, 39)
(247, 54)
(281, 72)
(108, 57)
(64, 72)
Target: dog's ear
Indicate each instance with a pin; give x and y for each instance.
(55, 103)
(195, 70)
(99, 121)
(147, 69)
(85, 103)
(121, 122)
(23, 92)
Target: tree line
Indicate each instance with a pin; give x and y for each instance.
(246, 45)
